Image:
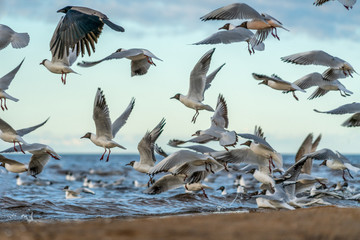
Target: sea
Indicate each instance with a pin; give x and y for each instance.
(116, 196)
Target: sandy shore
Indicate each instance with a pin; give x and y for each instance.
(312, 223)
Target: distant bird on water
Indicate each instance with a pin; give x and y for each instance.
(105, 131)
(80, 28)
(17, 40)
(141, 59)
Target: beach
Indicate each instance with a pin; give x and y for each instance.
(310, 223)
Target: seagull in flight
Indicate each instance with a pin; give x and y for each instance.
(17, 40)
(105, 130)
(81, 28)
(199, 83)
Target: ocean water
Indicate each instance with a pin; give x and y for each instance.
(41, 202)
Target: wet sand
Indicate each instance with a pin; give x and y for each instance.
(312, 223)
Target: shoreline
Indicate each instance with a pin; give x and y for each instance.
(307, 223)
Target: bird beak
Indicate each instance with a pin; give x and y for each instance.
(323, 163)
(261, 83)
(128, 164)
(223, 27)
(172, 97)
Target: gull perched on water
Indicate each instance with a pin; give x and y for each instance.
(8, 134)
(105, 131)
(260, 146)
(146, 149)
(318, 57)
(80, 27)
(4, 85)
(17, 40)
(354, 120)
(324, 85)
(216, 132)
(141, 59)
(199, 83)
(335, 161)
(348, 4)
(263, 23)
(233, 34)
(275, 82)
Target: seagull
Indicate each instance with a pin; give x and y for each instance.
(324, 85)
(318, 57)
(223, 190)
(17, 40)
(8, 134)
(70, 194)
(105, 131)
(216, 132)
(267, 181)
(308, 146)
(61, 65)
(275, 82)
(348, 4)
(199, 83)
(277, 200)
(4, 85)
(335, 161)
(12, 165)
(354, 120)
(263, 23)
(260, 146)
(146, 149)
(35, 149)
(141, 59)
(233, 34)
(80, 27)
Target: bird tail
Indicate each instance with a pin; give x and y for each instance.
(209, 108)
(114, 26)
(20, 40)
(10, 97)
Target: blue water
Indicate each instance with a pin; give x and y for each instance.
(35, 202)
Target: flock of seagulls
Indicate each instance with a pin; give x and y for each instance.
(77, 33)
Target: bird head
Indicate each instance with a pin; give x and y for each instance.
(247, 143)
(251, 171)
(87, 135)
(64, 10)
(323, 163)
(130, 164)
(227, 26)
(43, 62)
(197, 133)
(221, 188)
(243, 24)
(120, 50)
(263, 82)
(66, 188)
(177, 96)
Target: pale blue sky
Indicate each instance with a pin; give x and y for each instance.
(167, 28)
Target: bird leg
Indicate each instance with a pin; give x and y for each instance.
(249, 48)
(53, 156)
(293, 92)
(275, 35)
(107, 159)
(150, 180)
(195, 116)
(15, 149)
(102, 157)
(206, 169)
(203, 190)
(322, 184)
(343, 176)
(211, 169)
(149, 59)
(185, 177)
(21, 148)
(225, 167)
(349, 173)
(2, 105)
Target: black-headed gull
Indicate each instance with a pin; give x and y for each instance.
(105, 130)
(199, 82)
(8, 134)
(267, 181)
(70, 194)
(275, 82)
(80, 28)
(4, 85)
(141, 59)
(354, 120)
(12, 165)
(348, 4)
(35, 149)
(231, 35)
(17, 40)
(319, 57)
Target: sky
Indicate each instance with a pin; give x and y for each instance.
(167, 29)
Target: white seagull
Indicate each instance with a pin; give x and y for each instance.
(141, 59)
(80, 27)
(199, 82)
(4, 85)
(354, 120)
(17, 40)
(105, 131)
(348, 4)
(12, 165)
(275, 82)
(8, 134)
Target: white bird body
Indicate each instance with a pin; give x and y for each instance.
(194, 104)
(12, 165)
(264, 178)
(58, 67)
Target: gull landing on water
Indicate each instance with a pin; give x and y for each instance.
(105, 130)
(199, 83)
(141, 59)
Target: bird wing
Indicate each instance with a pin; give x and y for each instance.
(332, 74)
(6, 80)
(220, 117)
(147, 144)
(353, 121)
(5, 127)
(347, 108)
(166, 183)
(256, 139)
(319, 92)
(8, 161)
(305, 147)
(101, 116)
(121, 120)
(232, 11)
(37, 163)
(139, 67)
(24, 131)
(76, 29)
(316, 57)
(259, 36)
(238, 34)
(25, 147)
(198, 77)
(322, 154)
(211, 76)
(160, 151)
(309, 80)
